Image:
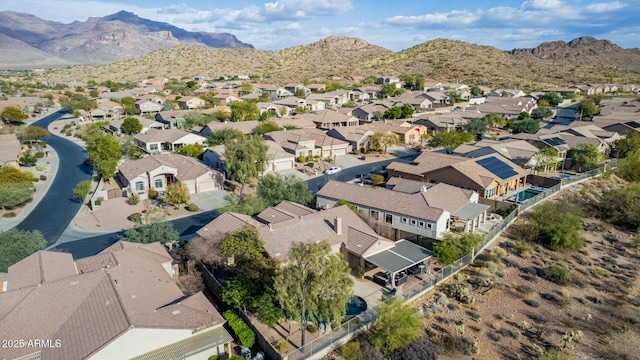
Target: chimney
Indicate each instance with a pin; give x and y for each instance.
(337, 225)
(270, 227)
(423, 188)
(301, 218)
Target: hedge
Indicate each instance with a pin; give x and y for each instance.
(245, 335)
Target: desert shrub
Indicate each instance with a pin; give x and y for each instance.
(557, 230)
(301, 159)
(557, 274)
(43, 177)
(622, 206)
(39, 155)
(10, 214)
(532, 303)
(420, 349)
(454, 246)
(192, 207)
(153, 194)
(491, 266)
(136, 218)
(282, 345)
(134, 199)
(351, 351)
(377, 179)
(500, 252)
(523, 250)
(459, 291)
(635, 239)
(368, 351)
(213, 357)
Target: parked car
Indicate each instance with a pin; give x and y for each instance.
(332, 170)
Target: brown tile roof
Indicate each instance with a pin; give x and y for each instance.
(91, 309)
(164, 135)
(39, 268)
(294, 208)
(188, 168)
(382, 199)
(246, 127)
(224, 225)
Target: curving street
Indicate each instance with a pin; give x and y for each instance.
(58, 208)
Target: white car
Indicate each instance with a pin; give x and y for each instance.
(332, 170)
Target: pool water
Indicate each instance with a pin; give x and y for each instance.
(356, 306)
(527, 194)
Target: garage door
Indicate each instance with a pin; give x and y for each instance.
(208, 184)
(340, 152)
(282, 165)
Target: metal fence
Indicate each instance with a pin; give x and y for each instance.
(347, 330)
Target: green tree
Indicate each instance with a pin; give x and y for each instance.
(131, 125)
(453, 96)
(162, 232)
(194, 118)
(476, 91)
(14, 193)
(244, 111)
(389, 90)
(629, 167)
(382, 140)
(27, 159)
(246, 159)
(629, 143)
(397, 326)
(275, 188)
(13, 114)
(587, 108)
(315, 283)
(529, 126)
(177, 193)
(541, 112)
(494, 120)
(243, 244)
(248, 204)
(622, 206)
(546, 158)
(94, 93)
(34, 133)
(477, 127)
(445, 252)
(81, 190)
(246, 88)
(222, 136)
(193, 150)
(556, 229)
(584, 156)
(524, 116)
(104, 152)
(553, 98)
(450, 140)
(463, 244)
(266, 127)
(16, 245)
(300, 94)
(409, 80)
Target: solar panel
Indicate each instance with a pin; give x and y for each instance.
(555, 141)
(633, 124)
(497, 167)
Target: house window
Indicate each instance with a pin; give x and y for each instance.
(430, 226)
(421, 224)
(153, 147)
(404, 220)
(158, 183)
(139, 186)
(375, 215)
(388, 218)
(414, 222)
(490, 192)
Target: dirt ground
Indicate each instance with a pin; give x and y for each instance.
(513, 313)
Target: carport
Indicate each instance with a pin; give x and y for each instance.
(402, 256)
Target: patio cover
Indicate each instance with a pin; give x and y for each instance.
(470, 211)
(403, 255)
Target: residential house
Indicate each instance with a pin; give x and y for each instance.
(408, 132)
(10, 150)
(388, 80)
(438, 99)
(518, 151)
(317, 88)
(277, 158)
(563, 91)
(155, 140)
(510, 93)
(328, 119)
(370, 112)
(227, 99)
(293, 88)
(423, 213)
(418, 102)
(273, 109)
(147, 107)
(287, 223)
(158, 171)
(491, 175)
(309, 142)
(115, 126)
(190, 103)
(433, 86)
(509, 107)
(298, 122)
(122, 303)
(171, 118)
(360, 95)
(293, 103)
(585, 90)
(357, 136)
(246, 127)
(333, 98)
(153, 98)
(277, 92)
(434, 123)
(561, 141)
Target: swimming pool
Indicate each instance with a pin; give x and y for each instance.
(525, 195)
(356, 306)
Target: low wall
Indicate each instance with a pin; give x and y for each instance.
(545, 182)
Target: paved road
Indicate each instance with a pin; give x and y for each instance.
(57, 208)
(187, 226)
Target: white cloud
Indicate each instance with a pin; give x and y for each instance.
(452, 18)
(542, 4)
(181, 8)
(304, 9)
(606, 7)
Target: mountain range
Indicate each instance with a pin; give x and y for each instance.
(28, 41)
(126, 45)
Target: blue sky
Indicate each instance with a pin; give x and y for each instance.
(395, 25)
